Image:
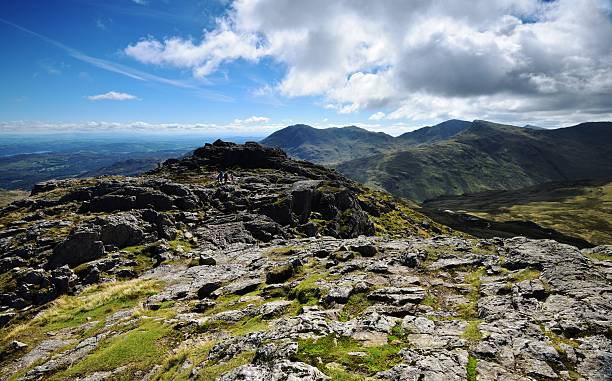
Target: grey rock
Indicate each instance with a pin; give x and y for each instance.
(81, 246)
(398, 295)
(206, 260)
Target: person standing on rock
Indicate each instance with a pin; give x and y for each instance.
(220, 176)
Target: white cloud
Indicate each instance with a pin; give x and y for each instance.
(100, 24)
(113, 96)
(252, 120)
(210, 129)
(418, 59)
(377, 116)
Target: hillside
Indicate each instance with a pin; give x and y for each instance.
(489, 156)
(441, 131)
(582, 209)
(330, 145)
(289, 272)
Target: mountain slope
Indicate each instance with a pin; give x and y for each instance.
(441, 131)
(328, 146)
(489, 156)
(288, 272)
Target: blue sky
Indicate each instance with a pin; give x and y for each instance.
(253, 66)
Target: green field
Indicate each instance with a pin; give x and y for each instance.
(579, 209)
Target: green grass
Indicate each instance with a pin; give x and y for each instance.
(356, 304)
(332, 348)
(307, 292)
(398, 335)
(600, 256)
(8, 196)
(525, 274)
(139, 349)
(472, 331)
(213, 371)
(472, 364)
(94, 303)
(398, 218)
(431, 300)
(469, 310)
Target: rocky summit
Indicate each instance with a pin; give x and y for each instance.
(286, 271)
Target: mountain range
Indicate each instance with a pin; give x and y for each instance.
(455, 157)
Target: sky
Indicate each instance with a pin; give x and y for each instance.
(249, 67)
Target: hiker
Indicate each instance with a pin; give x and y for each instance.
(220, 176)
(225, 177)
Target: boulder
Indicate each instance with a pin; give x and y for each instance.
(79, 247)
(279, 273)
(207, 289)
(367, 250)
(120, 230)
(110, 203)
(155, 200)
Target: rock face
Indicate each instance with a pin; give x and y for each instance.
(287, 273)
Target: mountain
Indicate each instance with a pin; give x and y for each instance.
(442, 131)
(488, 156)
(335, 145)
(330, 145)
(290, 271)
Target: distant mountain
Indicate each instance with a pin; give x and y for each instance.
(330, 145)
(339, 144)
(442, 131)
(489, 156)
(531, 126)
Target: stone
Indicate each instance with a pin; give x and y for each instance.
(120, 230)
(203, 306)
(365, 250)
(207, 289)
(80, 247)
(6, 317)
(274, 309)
(17, 345)
(275, 371)
(409, 259)
(338, 294)
(9, 263)
(279, 273)
(398, 296)
(110, 203)
(206, 260)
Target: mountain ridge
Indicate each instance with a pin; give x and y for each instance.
(457, 157)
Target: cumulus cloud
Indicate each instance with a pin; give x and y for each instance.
(113, 96)
(417, 59)
(252, 120)
(377, 116)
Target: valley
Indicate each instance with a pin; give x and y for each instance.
(580, 209)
